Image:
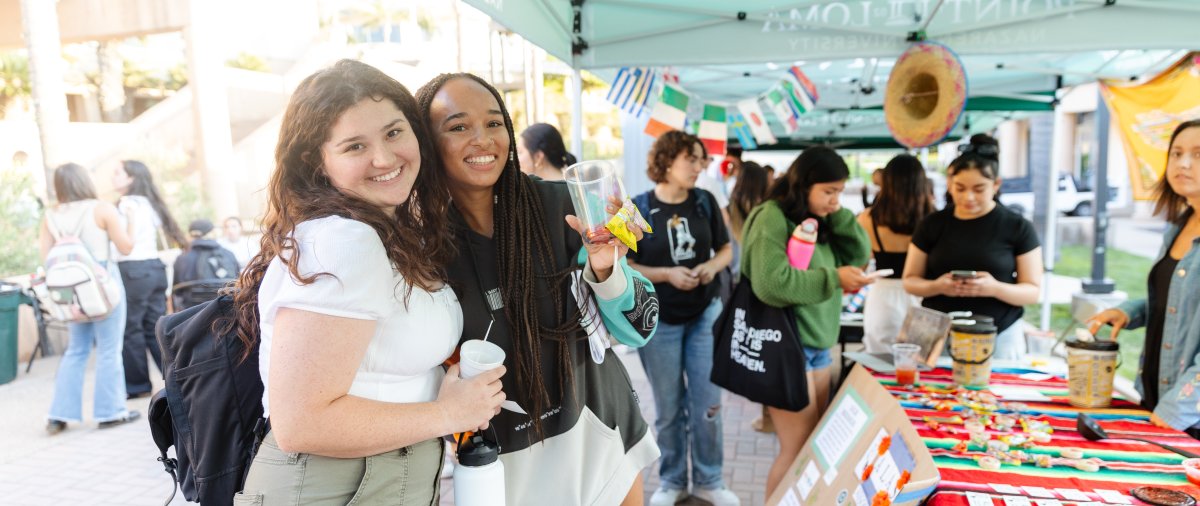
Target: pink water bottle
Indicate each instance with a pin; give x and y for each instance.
(800, 246)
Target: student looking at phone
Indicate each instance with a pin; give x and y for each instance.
(977, 234)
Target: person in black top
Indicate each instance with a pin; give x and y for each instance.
(1169, 376)
(977, 234)
(579, 436)
(902, 203)
(205, 267)
(679, 259)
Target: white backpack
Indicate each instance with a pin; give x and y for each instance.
(78, 284)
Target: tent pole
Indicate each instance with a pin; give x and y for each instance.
(577, 111)
(1060, 161)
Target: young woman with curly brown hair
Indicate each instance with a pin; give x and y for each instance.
(583, 440)
(350, 297)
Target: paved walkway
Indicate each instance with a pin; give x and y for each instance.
(117, 466)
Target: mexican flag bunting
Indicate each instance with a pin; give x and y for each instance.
(669, 113)
(741, 129)
(713, 130)
(782, 108)
(756, 121)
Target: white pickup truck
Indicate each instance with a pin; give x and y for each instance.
(1017, 195)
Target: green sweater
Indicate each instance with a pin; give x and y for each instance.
(814, 294)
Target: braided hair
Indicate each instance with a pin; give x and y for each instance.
(524, 256)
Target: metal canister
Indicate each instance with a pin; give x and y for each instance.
(1091, 366)
(972, 343)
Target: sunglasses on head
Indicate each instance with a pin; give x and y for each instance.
(980, 149)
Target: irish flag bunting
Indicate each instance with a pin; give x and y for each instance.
(669, 113)
(782, 108)
(756, 121)
(741, 130)
(713, 130)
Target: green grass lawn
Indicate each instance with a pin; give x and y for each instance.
(1129, 273)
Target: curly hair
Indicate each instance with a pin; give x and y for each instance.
(525, 255)
(299, 191)
(903, 199)
(666, 148)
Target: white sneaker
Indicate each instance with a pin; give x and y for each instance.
(667, 496)
(718, 496)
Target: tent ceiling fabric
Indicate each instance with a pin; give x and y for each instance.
(703, 32)
(1014, 51)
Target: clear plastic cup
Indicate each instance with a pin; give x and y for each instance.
(592, 184)
(906, 356)
(477, 356)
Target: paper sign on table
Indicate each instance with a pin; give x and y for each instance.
(978, 499)
(842, 426)
(1018, 394)
(1038, 492)
(1112, 496)
(1016, 500)
(1071, 494)
(1005, 489)
(1047, 502)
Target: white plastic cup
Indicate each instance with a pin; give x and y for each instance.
(591, 185)
(906, 356)
(477, 356)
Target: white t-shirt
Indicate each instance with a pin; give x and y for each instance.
(145, 232)
(243, 249)
(403, 360)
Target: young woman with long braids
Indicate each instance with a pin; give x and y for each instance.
(584, 440)
(902, 202)
(349, 295)
(144, 275)
(810, 189)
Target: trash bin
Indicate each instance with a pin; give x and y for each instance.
(10, 301)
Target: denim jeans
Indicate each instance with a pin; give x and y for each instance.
(145, 295)
(678, 363)
(108, 337)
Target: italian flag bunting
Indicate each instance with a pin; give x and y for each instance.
(713, 130)
(669, 113)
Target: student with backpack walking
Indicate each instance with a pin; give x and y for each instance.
(144, 275)
(201, 271)
(349, 299)
(682, 258)
(81, 218)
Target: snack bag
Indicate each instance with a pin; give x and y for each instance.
(627, 216)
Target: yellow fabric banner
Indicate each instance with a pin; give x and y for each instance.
(1147, 113)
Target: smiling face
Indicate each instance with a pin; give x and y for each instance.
(471, 135)
(1183, 164)
(823, 198)
(973, 193)
(686, 167)
(372, 154)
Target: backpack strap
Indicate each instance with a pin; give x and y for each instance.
(703, 204)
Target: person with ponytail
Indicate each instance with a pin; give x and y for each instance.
(578, 436)
(811, 188)
(144, 275)
(541, 151)
(349, 298)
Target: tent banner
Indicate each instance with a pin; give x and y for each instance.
(669, 113)
(1146, 114)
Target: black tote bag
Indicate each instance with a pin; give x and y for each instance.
(757, 354)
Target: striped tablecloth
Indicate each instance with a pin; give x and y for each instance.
(1125, 464)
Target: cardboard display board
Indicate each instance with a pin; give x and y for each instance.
(864, 452)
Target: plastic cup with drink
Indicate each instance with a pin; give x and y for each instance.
(593, 186)
(906, 357)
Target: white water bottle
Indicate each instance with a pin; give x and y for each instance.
(479, 477)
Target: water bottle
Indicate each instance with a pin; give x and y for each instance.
(802, 243)
(479, 477)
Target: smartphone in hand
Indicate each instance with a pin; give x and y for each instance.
(962, 275)
(880, 274)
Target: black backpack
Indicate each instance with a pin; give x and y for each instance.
(213, 264)
(211, 408)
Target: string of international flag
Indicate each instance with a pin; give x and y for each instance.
(794, 95)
